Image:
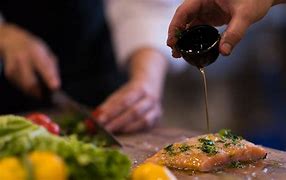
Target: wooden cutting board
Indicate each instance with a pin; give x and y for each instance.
(142, 145)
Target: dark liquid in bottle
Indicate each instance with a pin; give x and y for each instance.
(199, 45)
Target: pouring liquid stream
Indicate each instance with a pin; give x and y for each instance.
(199, 46)
(206, 97)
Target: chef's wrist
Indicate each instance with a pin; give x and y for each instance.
(147, 63)
(148, 66)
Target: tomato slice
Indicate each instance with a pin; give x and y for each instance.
(39, 118)
(53, 128)
(90, 126)
(45, 121)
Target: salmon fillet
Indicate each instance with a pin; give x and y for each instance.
(208, 152)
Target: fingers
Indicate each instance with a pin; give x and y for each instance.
(233, 34)
(27, 78)
(21, 67)
(119, 102)
(132, 113)
(21, 73)
(147, 121)
(218, 13)
(46, 65)
(184, 14)
(131, 108)
(25, 57)
(135, 125)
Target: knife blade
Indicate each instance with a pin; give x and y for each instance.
(61, 99)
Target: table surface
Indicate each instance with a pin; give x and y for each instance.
(142, 145)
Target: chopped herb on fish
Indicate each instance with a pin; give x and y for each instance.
(227, 134)
(170, 149)
(227, 145)
(208, 153)
(236, 164)
(208, 146)
(184, 147)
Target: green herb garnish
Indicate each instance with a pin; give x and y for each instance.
(184, 147)
(206, 141)
(170, 149)
(210, 150)
(208, 146)
(227, 145)
(236, 164)
(227, 134)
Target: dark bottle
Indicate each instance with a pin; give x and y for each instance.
(199, 45)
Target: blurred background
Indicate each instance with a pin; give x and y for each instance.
(246, 90)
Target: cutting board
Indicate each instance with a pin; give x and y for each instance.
(143, 145)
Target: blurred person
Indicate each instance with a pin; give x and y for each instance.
(68, 45)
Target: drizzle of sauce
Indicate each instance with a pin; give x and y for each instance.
(199, 46)
(206, 97)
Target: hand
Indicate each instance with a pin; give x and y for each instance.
(133, 107)
(24, 57)
(238, 14)
(136, 105)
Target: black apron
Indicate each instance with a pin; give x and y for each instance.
(77, 33)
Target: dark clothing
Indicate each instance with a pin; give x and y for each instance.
(77, 33)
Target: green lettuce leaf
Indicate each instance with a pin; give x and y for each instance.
(19, 136)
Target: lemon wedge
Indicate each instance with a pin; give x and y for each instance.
(150, 171)
(12, 169)
(48, 166)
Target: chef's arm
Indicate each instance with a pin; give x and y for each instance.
(137, 24)
(139, 34)
(148, 65)
(137, 104)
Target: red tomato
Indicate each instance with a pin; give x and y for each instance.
(39, 118)
(89, 124)
(53, 128)
(45, 121)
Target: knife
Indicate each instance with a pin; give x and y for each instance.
(62, 100)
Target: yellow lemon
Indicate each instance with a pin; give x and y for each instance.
(11, 169)
(150, 171)
(48, 166)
